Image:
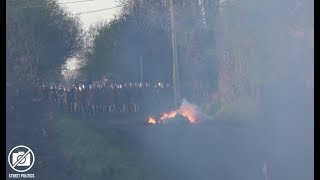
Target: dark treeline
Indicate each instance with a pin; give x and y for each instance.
(40, 36)
(142, 32)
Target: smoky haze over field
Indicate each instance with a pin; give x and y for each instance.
(270, 46)
(244, 66)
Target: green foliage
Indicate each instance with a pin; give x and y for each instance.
(118, 46)
(143, 30)
(93, 154)
(196, 38)
(41, 35)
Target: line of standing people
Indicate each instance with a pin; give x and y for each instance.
(101, 97)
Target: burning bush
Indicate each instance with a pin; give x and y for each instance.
(186, 113)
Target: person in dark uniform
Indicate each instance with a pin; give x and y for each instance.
(70, 99)
(60, 96)
(131, 97)
(64, 98)
(118, 98)
(51, 94)
(95, 98)
(103, 98)
(55, 95)
(45, 92)
(123, 98)
(89, 106)
(108, 98)
(114, 97)
(82, 97)
(74, 94)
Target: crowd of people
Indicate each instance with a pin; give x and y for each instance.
(106, 97)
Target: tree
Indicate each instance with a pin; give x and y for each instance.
(40, 37)
(196, 39)
(259, 45)
(46, 31)
(143, 30)
(119, 44)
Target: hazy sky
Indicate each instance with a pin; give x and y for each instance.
(90, 18)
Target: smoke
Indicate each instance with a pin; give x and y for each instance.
(192, 111)
(187, 106)
(190, 108)
(70, 70)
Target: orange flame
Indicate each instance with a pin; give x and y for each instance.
(189, 114)
(168, 115)
(152, 120)
(186, 109)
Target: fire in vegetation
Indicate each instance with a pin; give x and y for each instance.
(187, 112)
(152, 120)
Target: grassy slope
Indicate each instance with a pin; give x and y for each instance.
(92, 154)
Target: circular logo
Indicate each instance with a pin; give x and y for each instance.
(21, 158)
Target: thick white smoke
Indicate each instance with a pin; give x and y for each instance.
(192, 111)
